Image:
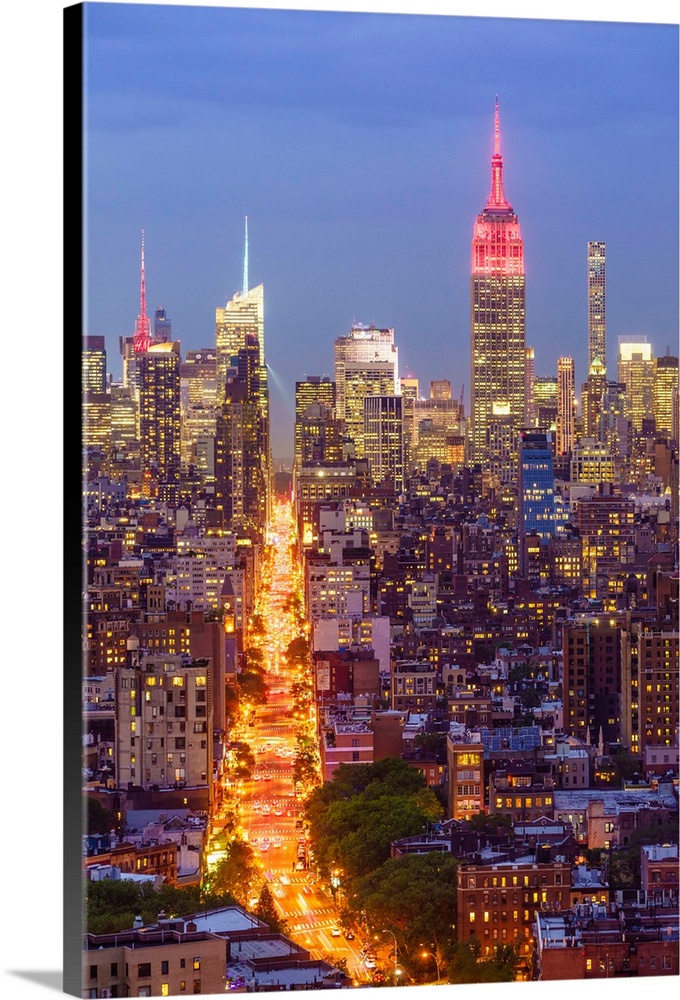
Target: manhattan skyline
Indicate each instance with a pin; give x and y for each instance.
(360, 156)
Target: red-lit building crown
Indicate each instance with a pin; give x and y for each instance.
(497, 247)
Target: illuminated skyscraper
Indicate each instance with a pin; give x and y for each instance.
(242, 446)
(94, 364)
(365, 364)
(592, 400)
(530, 415)
(384, 439)
(665, 393)
(545, 402)
(162, 326)
(636, 371)
(243, 316)
(497, 322)
(159, 413)
(314, 391)
(409, 395)
(242, 386)
(597, 315)
(536, 484)
(565, 406)
(235, 325)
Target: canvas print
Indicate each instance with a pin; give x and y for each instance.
(380, 501)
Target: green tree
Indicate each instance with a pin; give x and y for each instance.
(100, 819)
(414, 897)
(266, 911)
(112, 905)
(257, 625)
(482, 822)
(467, 967)
(297, 652)
(234, 872)
(252, 686)
(337, 962)
(243, 760)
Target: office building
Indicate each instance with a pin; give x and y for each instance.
(319, 391)
(597, 314)
(564, 424)
(649, 686)
(665, 394)
(536, 486)
(159, 414)
(365, 364)
(162, 326)
(384, 440)
(409, 394)
(592, 400)
(242, 479)
(636, 370)
(606, 524)
(94, 364)
(544, 402)
(591, 692)
(164, 723)
(498, 348)
(241, 318)
(530, 412)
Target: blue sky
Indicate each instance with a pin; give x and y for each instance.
(359, 146)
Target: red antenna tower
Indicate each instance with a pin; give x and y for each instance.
(142, 340)
(497, 199)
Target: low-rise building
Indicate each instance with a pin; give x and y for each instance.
(588, 942)
(154, 962)
(497, 903)
(659, 873)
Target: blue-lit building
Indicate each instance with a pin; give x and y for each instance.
(536, 486)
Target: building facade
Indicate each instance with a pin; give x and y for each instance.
(498, 312)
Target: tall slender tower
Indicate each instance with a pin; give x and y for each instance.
(142, 339)
(497, 311)
(597, 325)
(565, 405)
(242, 447)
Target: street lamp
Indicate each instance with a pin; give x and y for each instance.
(386, 930)
(431, 954)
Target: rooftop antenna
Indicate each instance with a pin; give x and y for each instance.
(245, 260)
(142, 338)
(497, 132)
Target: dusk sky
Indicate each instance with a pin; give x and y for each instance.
(359, 145)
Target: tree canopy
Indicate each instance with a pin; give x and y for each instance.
(234, 872)
(112, 905)
(414, 897)
(355, 817)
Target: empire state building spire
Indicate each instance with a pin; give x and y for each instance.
(497, 201)
(497, 330)
(142, 339)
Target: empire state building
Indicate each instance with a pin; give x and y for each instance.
(497, 315)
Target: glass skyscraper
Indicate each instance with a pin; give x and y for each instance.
(536, 483)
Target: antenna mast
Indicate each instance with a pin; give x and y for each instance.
(245, 260)
(142, 339)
